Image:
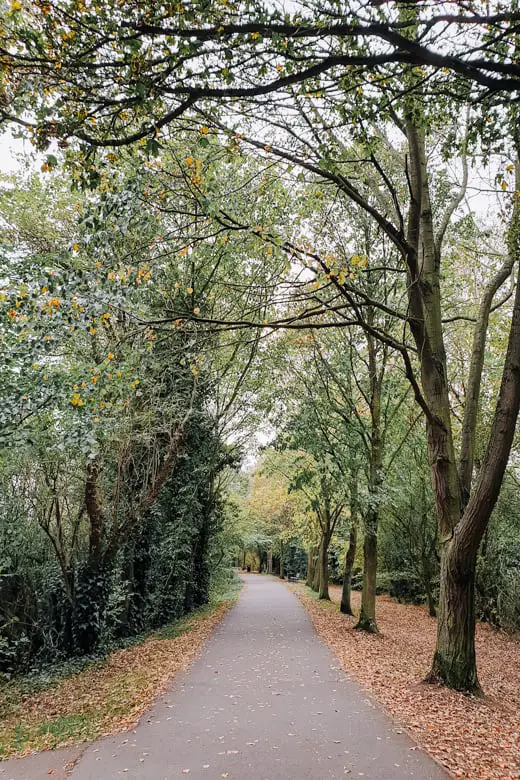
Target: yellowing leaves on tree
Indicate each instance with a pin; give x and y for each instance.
(77, 400)
(189, 161)
(110, 356)
(196, 310)
(204, 130)
(189, 290)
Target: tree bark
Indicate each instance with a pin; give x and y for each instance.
(317, 572)
(323, 589)
(346, 606)
(471, 404)
(310, 567)
(367, 615)
(454, 660)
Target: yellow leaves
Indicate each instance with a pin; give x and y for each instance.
(196, 310)
(204, 130)
(134, 384)
(45, 168)
(12, 314)
(110, 356)
(16, 6)
(189, 160)
(143, 273)
(77, 400)
(255, 36)
(504, 186)
(76, 248)
(189, 290)
(94, 380)
(92, 330)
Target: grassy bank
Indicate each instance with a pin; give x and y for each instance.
(108, 695)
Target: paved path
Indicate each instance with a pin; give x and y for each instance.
(265, 700)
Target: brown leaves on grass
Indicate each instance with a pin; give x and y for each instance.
(106, 698)
(473, 738)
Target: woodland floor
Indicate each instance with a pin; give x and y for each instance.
(473, 738)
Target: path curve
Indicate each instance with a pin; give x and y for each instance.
(265, 699)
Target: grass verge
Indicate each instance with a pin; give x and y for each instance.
(109, 695)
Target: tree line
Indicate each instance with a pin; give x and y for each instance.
(332, 151)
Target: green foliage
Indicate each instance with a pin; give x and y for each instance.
(110, 502)
(498, 564)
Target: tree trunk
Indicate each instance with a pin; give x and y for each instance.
(310, 567)
(454, 662)
(350, 556)
(323, 590)
(316, 573)
(367, 616)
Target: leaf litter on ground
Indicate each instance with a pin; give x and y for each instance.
(477, 738)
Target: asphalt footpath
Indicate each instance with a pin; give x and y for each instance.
(266, 699)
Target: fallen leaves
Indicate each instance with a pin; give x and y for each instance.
(105, 698)
(473, 738)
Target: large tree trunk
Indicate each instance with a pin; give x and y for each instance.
(463, 514)
(346, 606)
(454, 661)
